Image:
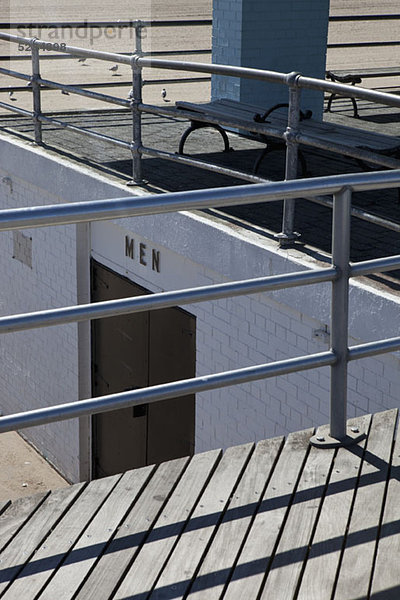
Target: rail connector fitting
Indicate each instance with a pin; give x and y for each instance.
(136, 148)
(135, 60)
(290, 135)
(292, 79)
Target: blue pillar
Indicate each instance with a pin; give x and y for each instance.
(284, 35)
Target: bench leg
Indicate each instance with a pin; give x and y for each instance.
(353, 101)
(271, 148)
(197, 125)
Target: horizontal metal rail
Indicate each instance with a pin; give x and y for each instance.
(376, 265)
(83, 130)
(339, 273)
(373, 348)
(116, 208)
(84, 92)
(110, 308)
(195, 162)
(359, 213)
(218, 69)
(294, 81)
(164, 391)
(15, 109)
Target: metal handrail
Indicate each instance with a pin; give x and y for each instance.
(293, 137)
(341, 187)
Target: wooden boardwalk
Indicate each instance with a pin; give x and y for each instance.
(275, 520)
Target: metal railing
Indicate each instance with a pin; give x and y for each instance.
(339, 273)
(292, 135)
(134, 29)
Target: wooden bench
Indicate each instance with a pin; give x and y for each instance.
(354, 76)
(270, 127)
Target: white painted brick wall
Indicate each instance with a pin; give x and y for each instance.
(41, 367)
(279, 36)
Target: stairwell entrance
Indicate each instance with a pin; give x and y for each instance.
(134, 351)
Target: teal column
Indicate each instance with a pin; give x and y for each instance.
(289, 35)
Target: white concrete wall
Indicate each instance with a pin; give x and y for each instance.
(195, 249)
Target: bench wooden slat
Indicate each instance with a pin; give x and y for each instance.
(372, 72)
(230, 110)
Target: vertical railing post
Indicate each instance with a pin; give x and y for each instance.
(136, 100)
(288, 234)
(339, 434)
(340, 311)
(36, 92)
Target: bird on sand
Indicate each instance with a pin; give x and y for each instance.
(81, 60)
(65, 92)
(11, 95)
(164, 95)
(114, 69)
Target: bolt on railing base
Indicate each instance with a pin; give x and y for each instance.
(353, 436)
(132, 182)
(285, 239)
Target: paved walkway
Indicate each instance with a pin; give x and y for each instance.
(23, 472)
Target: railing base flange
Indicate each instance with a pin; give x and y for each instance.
(286, 239)
(132, 182)
(327, 441)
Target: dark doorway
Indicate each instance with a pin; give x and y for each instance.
(134, 351)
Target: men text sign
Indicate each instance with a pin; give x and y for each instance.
(140, 252)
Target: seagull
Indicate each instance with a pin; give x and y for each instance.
(65, 92)
(81, 60)
(11, 94)
(29, 84)
(164, 95)
(114, 69)
(130, 95)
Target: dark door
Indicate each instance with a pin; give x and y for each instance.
(134, 351)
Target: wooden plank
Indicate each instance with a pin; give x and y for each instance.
(151, 557)
(221, 556)
(50, 555)
(322, 563)
(16, 515)
(35, 530)
(386, 579)
(288, 560)
(103, 527)
(257, 550)
(183, 562)
(358, 558)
